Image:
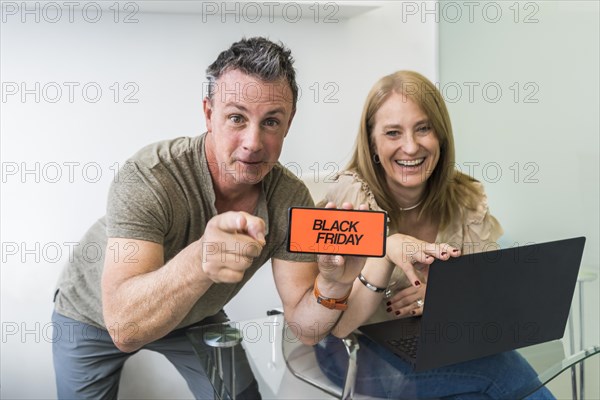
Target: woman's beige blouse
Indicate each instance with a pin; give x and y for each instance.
(473, 231)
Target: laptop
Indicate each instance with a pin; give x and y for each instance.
(486, 303)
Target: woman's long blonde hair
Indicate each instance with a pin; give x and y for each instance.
(446, 188)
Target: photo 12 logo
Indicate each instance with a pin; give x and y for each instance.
(472, 332)
(58, 172)
(52, 332)
(473, 91)
(69, 92)
(53, 12)
(489, 92)
(494, 172)
(54, 252)
(318, 92)
(452, 12)
(254, 12)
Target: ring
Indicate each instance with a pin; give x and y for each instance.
(419, 303)
(412, 259)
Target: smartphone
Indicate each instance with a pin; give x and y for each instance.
(336, 231)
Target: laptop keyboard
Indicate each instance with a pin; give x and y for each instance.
(407, 345)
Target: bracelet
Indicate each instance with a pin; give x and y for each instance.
(370, 286)
(333, 304)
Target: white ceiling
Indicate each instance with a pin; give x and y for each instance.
(249, 9)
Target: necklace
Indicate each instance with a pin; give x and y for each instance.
(411, 207)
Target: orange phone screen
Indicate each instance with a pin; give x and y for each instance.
(336, 231)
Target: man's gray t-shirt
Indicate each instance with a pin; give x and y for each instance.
(164, 194)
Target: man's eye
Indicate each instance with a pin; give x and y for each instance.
(236, 119)
(271, 122)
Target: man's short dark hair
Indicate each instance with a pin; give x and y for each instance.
(258, 57)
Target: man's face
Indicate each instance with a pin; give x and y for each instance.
(247, 120)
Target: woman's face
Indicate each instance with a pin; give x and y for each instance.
(405, 143)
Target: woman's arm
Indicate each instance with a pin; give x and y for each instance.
(402, 251)
(363, 302)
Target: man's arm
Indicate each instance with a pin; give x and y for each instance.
(143, 299)
(295, 281)
(308, 320)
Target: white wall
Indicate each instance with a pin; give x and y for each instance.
(535, 145)
(73, 144)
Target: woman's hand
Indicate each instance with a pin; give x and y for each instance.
(408, 252)
(407, 302)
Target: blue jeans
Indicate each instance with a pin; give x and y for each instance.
(383, 374)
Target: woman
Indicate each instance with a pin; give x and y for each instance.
(403, 163)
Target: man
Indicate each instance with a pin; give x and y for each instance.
(188, 222)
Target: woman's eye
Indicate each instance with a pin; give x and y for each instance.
(392, 133)
(424, 129)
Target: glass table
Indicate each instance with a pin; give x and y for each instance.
(267, 350)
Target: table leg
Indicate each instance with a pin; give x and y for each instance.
(233, 389)
(572, 348)
(581, 343)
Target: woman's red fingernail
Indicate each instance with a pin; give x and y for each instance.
(389, 303)
(444, 253)
(455, 251)
(397, 312)
(413, 312)
(388, 309)
(417, 283)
